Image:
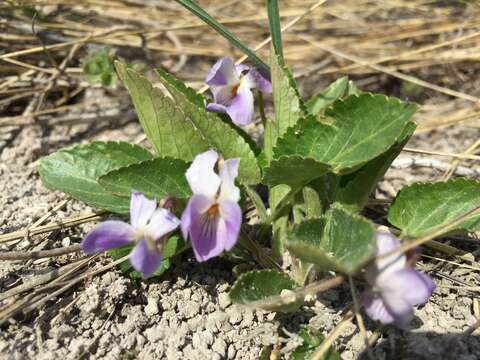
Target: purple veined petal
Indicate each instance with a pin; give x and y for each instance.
(230, 222)
(376, 310)
(201, 175)
(141, 209)
(256, 80)
(108, 235)
(241, 109)
(222, 73)
(144, 259)
(161, 223)
(218, 108)
(228, 174)
(201, 224)
(198, 204)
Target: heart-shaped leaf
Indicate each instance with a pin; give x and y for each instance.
(157, 178)
(353, 190)
(75, 171)
(259, 285)
(338, 241)
(423, 207)
(362, 128)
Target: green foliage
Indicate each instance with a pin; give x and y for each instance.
(312, 339)
(353, 190)
(99, 67)
(336, 90)
(289, 108)
(261, 284)
(423, 207)
(157, 178)
(174, 246)
(362, 128)
(75, 171)
(338, 241)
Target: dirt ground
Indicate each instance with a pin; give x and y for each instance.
(187, 313)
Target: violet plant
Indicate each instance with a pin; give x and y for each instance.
(319, 162)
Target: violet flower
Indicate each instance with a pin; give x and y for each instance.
(396, 287)
(232, 86)
(148, 228)
(212, 217)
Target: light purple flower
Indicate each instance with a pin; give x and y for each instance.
(212, 217)
(232, 86)
(396, 287)
(149, 226)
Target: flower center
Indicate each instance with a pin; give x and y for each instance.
(234, 90)
(213, 210)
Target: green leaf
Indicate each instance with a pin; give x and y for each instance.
(312, 339)
(165, 125)
(75, 171)
(334, 91)
(289, 108)
(275, 29)
(157, 178)
(222, 30)
(295, 171)
(99, 67)
(423, 207)
(338, 241)
(354, 189)
(219, 134)
(173, 246)
(258, 285)
(363, 127)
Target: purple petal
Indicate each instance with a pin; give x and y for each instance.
(161, 223)
(222, 73)
(198, 204)
(387, 242)
(257, 80)
(144, 259)
(241, 109)
(230, 222)
(141, 209)
(218, 108)
(228, 174)
(201, 175)
(376, 310)
(202, 227)
(108, 235)
(411, 285)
